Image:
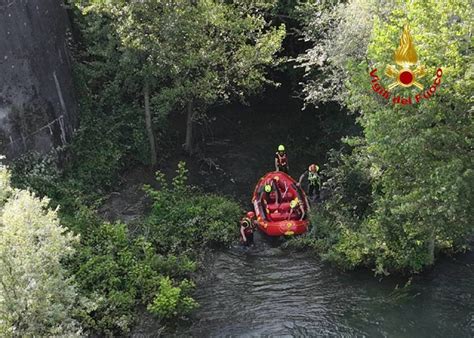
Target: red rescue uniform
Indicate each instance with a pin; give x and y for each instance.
(282, 161)
(248, 227)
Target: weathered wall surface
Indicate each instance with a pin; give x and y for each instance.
(37, 105)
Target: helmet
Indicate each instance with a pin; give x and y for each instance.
(281, 147)
(250, 214)
(294, 203)
(313, 168)
(268, 188)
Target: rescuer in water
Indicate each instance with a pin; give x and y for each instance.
(281, 160)
(248, 225)
(314, 181)
(296, 208)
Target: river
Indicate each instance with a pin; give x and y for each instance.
(268, 291)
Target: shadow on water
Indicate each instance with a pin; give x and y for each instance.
(265, 290)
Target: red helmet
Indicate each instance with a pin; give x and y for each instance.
(250, 214)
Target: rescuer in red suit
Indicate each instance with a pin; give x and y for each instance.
(281, 160)
(248, 224)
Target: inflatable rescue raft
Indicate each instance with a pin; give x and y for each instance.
(273, 206)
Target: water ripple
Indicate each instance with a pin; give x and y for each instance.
(266, 291)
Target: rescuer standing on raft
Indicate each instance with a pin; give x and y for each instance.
(247, 227)
(281, 160)
(314, 181)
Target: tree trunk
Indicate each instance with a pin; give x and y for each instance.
(188, 145)
(149, 128)
(431, 247)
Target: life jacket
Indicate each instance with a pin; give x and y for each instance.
(314, 178)
(282, 160)
(247, 224)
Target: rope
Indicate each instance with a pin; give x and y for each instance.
(286, 190)
(60, 120)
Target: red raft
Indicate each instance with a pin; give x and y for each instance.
(273, 209)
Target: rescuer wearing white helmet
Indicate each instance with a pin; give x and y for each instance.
(314, 181)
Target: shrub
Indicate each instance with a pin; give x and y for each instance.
(120, 271)
(36, 295)
(171, 300)
(182, 218)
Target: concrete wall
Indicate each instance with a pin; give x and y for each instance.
(37, 105)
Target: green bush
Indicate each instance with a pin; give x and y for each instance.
(172, 301)
(152, 269)
(37, 171)
(37, 298)
(120, 273)
(182, 218)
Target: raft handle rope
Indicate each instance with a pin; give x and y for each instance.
(260, 206)
(286, 191)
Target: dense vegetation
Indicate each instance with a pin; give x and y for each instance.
(396, 195)
(166, 58)
(403, 191)
(95, 281)
(125, 100)
(121, 270)
(36, 295)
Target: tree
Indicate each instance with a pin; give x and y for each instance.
(341, 35)
(194, 54)
(416, 158)
(36, 297)
(114, 97)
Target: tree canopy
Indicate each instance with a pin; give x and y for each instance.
(416, 158)
(187, 55)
